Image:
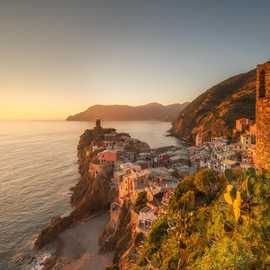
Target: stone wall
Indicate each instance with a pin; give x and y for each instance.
(263, 116)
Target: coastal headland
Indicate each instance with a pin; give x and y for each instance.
(106, 160)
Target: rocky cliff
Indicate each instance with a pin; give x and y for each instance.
(121, 237)
(152, 111)
(214, 112)
(93, 194)
(90, 195)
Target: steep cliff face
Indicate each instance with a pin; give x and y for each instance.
(214, 112)
(121, 236)
(89, 196)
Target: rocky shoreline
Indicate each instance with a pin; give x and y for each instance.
(91, 197)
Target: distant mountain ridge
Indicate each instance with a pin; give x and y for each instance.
(214, 112)
(151, 111)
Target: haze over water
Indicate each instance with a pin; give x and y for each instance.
(37, 169)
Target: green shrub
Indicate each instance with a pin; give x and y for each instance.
(139, 238)
(200, 234)
(141, 201)
(158, 232)
(114, 267)
(184, 186)
(205, 180)
(187, 201)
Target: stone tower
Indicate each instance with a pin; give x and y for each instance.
(263, 116)
(98, 124)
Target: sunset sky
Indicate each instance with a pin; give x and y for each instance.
(60, 57)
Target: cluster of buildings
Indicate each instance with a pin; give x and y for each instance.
(252, 149)
(135, 169)
(221, 154)
(156, 173)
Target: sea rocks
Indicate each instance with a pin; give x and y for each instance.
(50, 232)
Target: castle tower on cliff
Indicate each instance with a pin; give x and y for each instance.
(98, 124)
(263, 116)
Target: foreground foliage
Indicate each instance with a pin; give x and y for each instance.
(140, 201)
(212, 222)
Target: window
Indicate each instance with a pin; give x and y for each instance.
(262, 84)
(148, 223)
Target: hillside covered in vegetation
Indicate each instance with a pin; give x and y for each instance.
(212, 221)
(214, 112)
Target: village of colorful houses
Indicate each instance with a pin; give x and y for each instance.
(157, 172)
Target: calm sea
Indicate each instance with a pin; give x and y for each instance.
(37, 169)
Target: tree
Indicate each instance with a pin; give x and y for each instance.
(141, 201)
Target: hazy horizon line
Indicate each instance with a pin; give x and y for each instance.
(84, 109)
